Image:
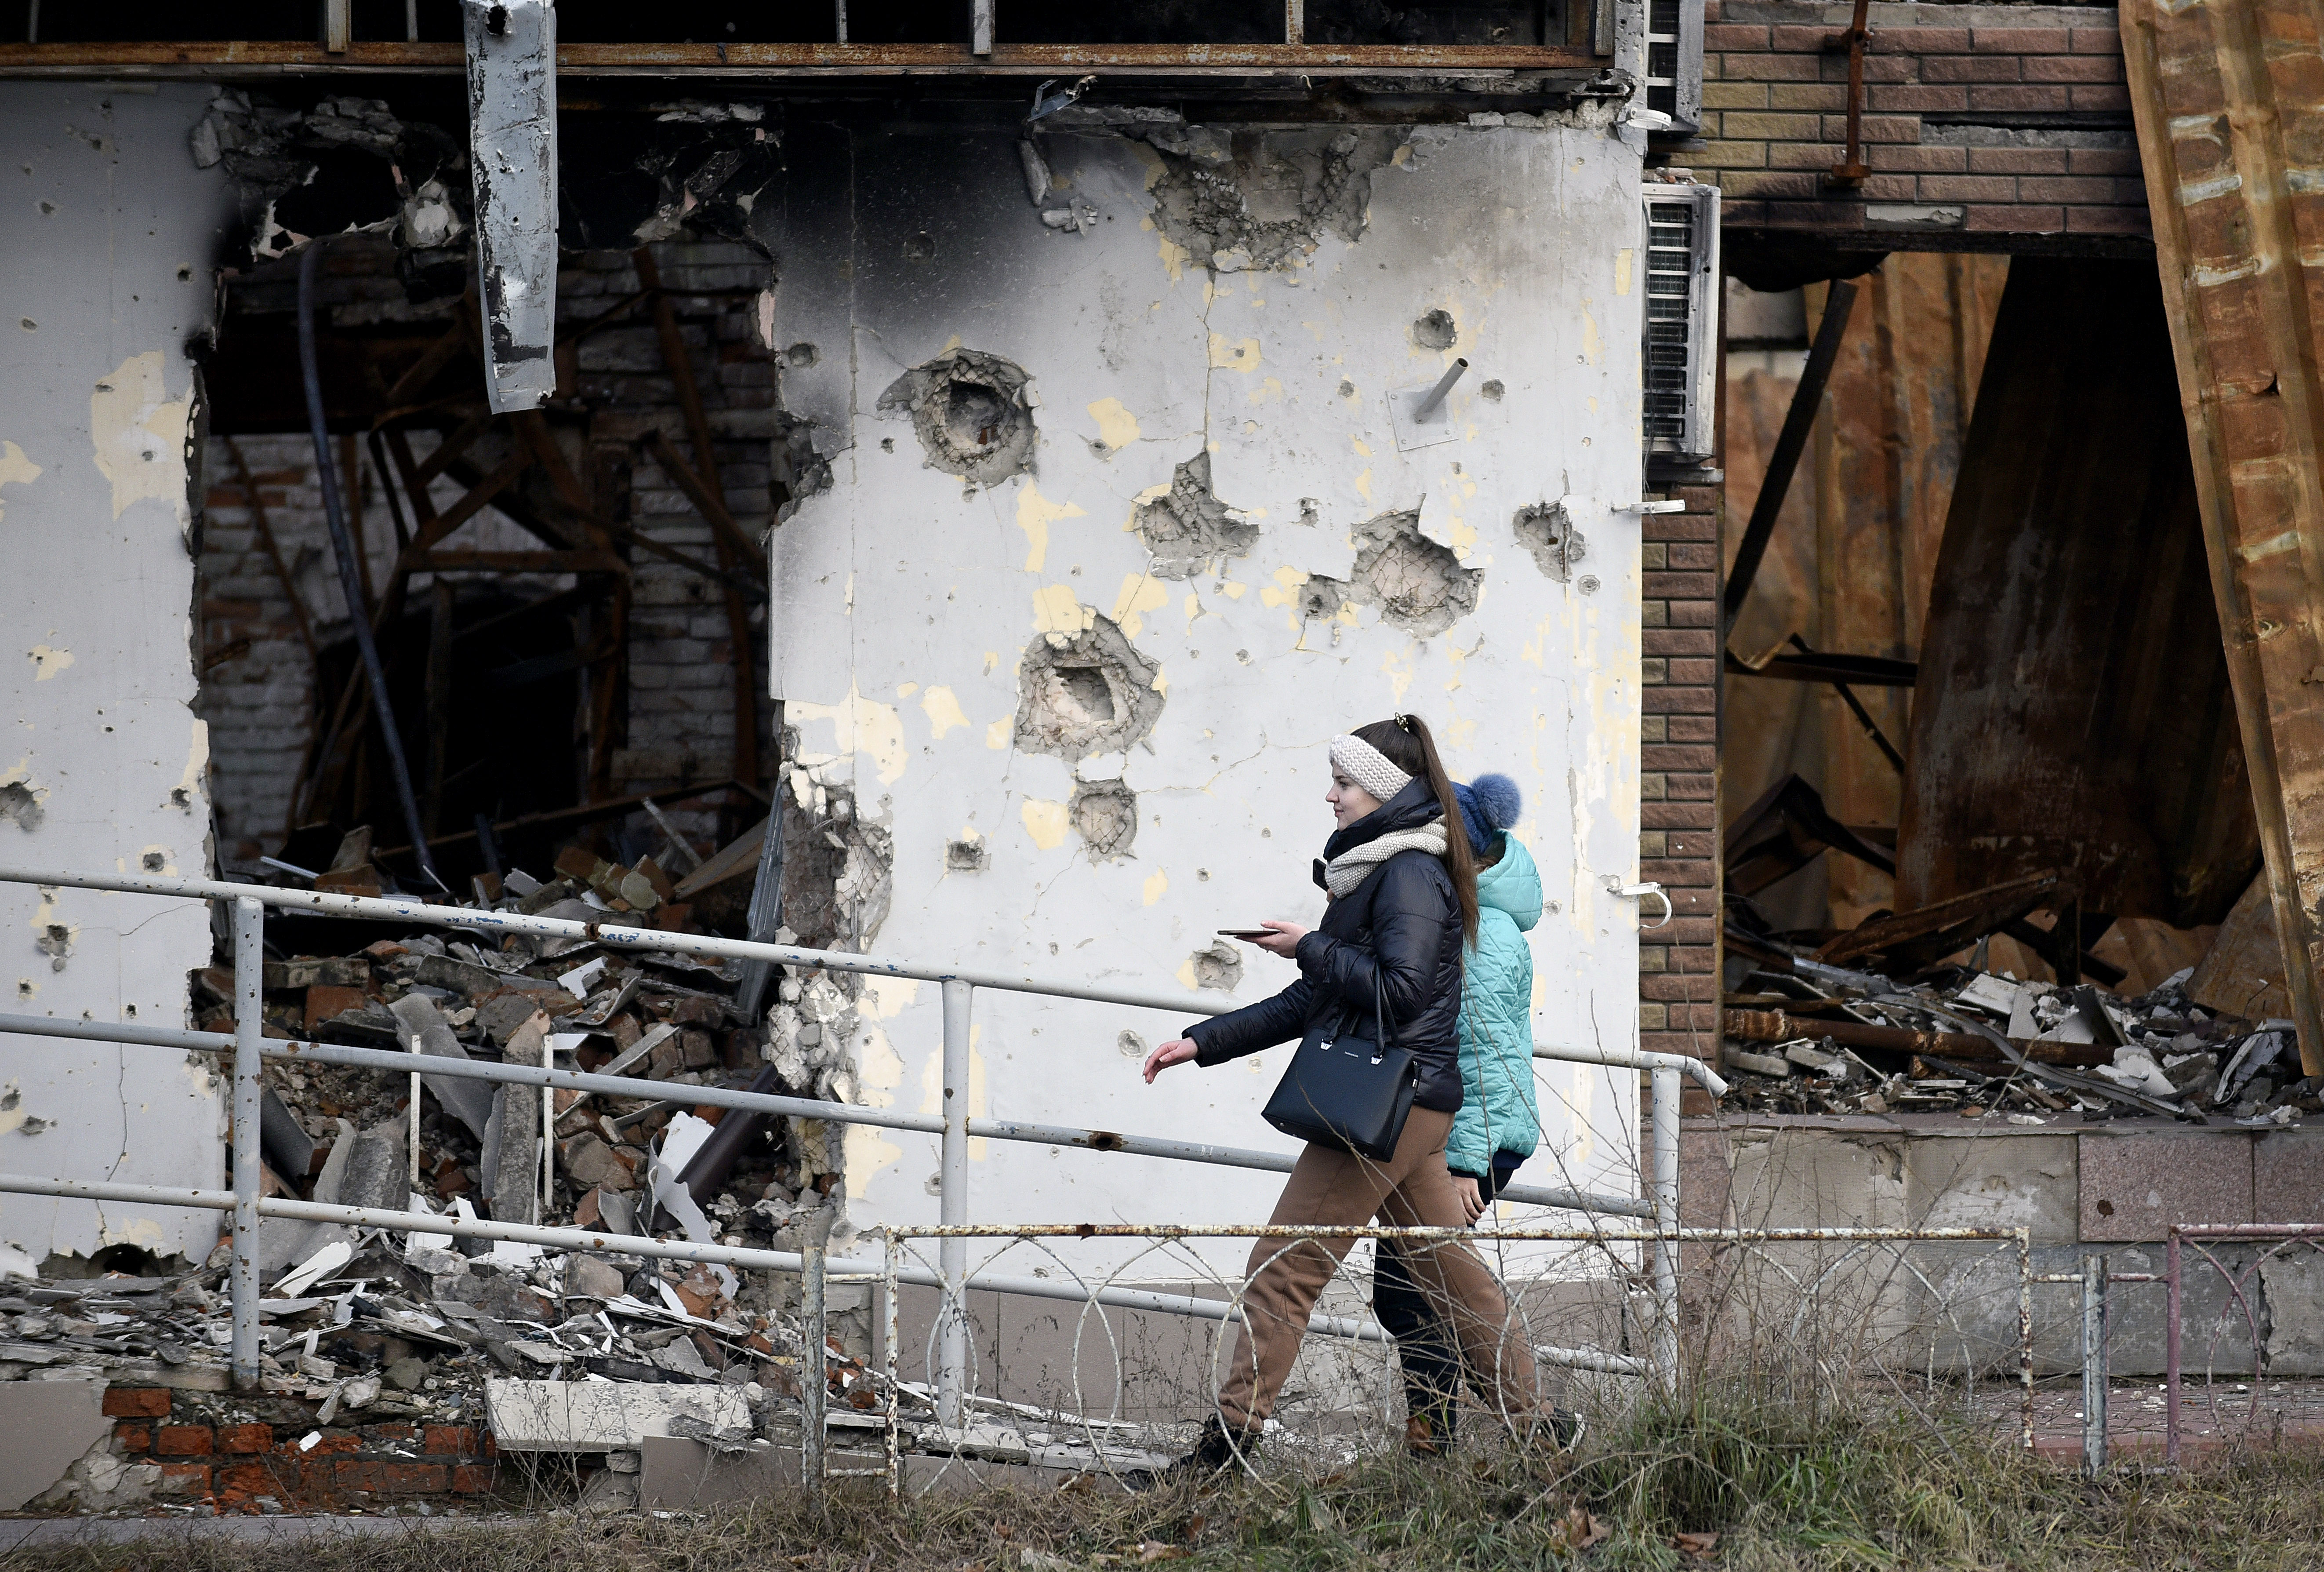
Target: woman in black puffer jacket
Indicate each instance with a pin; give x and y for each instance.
(1403, 901)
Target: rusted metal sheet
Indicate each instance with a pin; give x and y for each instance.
(2229, 99)
(260, 56)
(2073, 708)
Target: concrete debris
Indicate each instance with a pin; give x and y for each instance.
(1087, 692)
(1187, 528)
(1417, 584)
(1546, 531)
(1104, 814)
(970, 411)
(1817, 1039)
(1263, 199)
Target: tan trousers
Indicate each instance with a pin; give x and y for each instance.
(1411, 1189)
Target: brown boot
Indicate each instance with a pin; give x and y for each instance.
(1420, 1439)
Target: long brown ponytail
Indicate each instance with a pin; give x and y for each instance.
(1407, 744)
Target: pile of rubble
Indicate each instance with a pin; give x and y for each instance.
(1816, 1039)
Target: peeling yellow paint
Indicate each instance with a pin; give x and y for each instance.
(1046, 822)
(1193, 609)
(1234, 591)
(1055, 610)
(943, 711)
(1396, 666)
(47, 660)
(1158, 885)
(1175, 256)
(991, 662)
(1364, 486)
(1035, 514)
(1400, 157)
(1161, 683)
(188, 793)
(1363, 448)
(1234, 354)
(140, 433)
(1624, 261)
(1593, 349)
(859, 726)
(15, 469)
(997, 735)
(1268, 390)
(885, 998)
(1141, 593)
(1285, 589)
(1116, 426)
(905, 689)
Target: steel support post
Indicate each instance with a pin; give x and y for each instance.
(249, 987)
(1663, 1117)
(814, 1373)
(2170, 1347)
(952, 1345)
(2094, 1365)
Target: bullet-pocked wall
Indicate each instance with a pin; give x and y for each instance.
(1121, 532)
(108, 275)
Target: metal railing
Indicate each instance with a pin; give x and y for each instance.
(248, 1049)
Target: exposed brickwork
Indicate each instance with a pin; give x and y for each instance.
(258, 699)
(1979, 121)
(235, 1465)
(1678, 817)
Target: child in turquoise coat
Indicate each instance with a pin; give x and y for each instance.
(1499, 1122)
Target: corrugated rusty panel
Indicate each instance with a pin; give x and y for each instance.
(1850, 563)
(2229, 104)
(2073, 708)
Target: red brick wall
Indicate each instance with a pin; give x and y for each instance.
(260, 1468)
(1979, 122)
(1678, 838)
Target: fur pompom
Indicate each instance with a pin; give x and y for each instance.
(1498, 802)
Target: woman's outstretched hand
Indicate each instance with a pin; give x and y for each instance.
(1177, 1051)
(1282, 938)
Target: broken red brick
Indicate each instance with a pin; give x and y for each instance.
(449, 1441)
(144, 1403)
(182, 1442)
(245, 1437)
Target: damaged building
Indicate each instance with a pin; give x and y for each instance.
(928, 487)
(927, 483)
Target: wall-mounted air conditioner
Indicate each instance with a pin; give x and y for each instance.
(1682, 347)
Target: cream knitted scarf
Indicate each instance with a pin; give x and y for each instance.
(1351, 867)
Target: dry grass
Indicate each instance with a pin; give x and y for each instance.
(1782, 1484)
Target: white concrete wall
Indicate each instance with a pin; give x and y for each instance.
(912, 598)
(105, 269)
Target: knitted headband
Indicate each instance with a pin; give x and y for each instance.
(1367, 767)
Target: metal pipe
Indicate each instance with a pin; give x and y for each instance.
(814, 1375)
(515, 1075)
(979, 37)
(1036, 1288)
(1694, 1069)
(1268, 1161)
(249, 1025)
(2171, 1346)
(1663, 1115)
(750, 1102)
(1427, 406)
(1591, 1359)
(2094, 1365)
(952, 1251)
(344, 548)
(403, 909)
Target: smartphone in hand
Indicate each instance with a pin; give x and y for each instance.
(1247, 932)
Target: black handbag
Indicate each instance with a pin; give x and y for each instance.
(1347, 1089)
